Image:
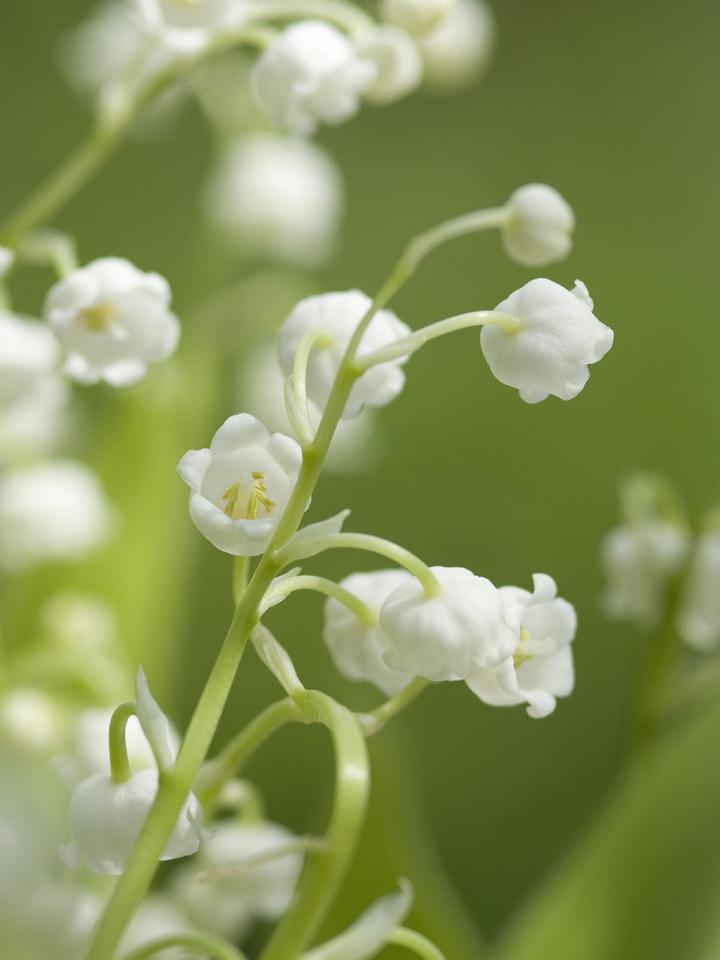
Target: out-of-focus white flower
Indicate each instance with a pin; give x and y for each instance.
(106, 819)
(639, 560)
(29, 355)
(186, 26)
(357, 647)
(557, 336)
(356, 445)
(90, 753)
(457, 51)
(31, 719)
(443, 637)
(337, 315)
(311, 73)
(240, 485)
(7, 259)
(245, 875)
(698, 621)
(541, 668)
(59, 918)
(112, 320)
(101, 49)
(158, 916)
(79, 621)
(539, 226)
(278, 197)
(397, 61)
(416, 16)
(370, 931)
(35, 422)
(53, 511)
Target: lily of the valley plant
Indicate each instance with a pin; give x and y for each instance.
(139, 792)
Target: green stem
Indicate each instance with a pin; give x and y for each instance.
(330, 589)
(478, 220)
(420, 945)
(119, 764)
(384, 548)
(407, 345)
(217, 948)
(374, 721)
(106, 136)
(298, 409)
(239, 578)
(217, 772)
(326, 867)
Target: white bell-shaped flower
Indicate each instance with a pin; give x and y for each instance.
(28, 355)
(640, 560)
(31, 720)
(187, 26)
(457, 51)
(397, 60)
(59, 918)
(112, 321)
(357, 647)
(556, 337)
(698, 621)
(100, 49)
(337, 315)
(311, 73)
(277, 196)
(245, 871)
(539, 225)
(35, 423)
(416, 16)
(443, 637)
(241, 484)
(106, 819)
(541, 668)
(52, 511)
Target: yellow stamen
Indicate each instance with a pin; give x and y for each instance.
(521, 655)
(98, 318)
(246, 504)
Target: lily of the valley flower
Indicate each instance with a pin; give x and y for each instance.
(457, 51)
(7, 259)
(541, 666)
(356, 646)
(397, 60)
(245, 871)
(52, 511)
(443, 637)
(370, 931)
(698, 621)
(311, 73)
(416, 16)
(557, 336)
(29, 355)
(106, 819)
(185, 26)
(240, 485)
(277, 196)
(539, 226)
(640, 559)
(112, 320)
(336, 315)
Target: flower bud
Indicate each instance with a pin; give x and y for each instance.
(337, 315)
(311, 73)
(106, 819)
(241, 484)
(457, 51)
(539, 226)
(698, 621)
(357, 647)
(557, 336)
(112, 320)
(541, 667)
(397, 61)
(442, 637)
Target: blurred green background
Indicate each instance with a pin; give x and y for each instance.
(617, 106)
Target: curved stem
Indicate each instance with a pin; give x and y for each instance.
(217, 948)
(326, 867)
(420, 945)
(345, 15)
(119, 763)
(217, 772)
(407, 345)
(422, 245)
(374, 721)
(327, 587)
(385, 548)
(106, 135)
(297, 403)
